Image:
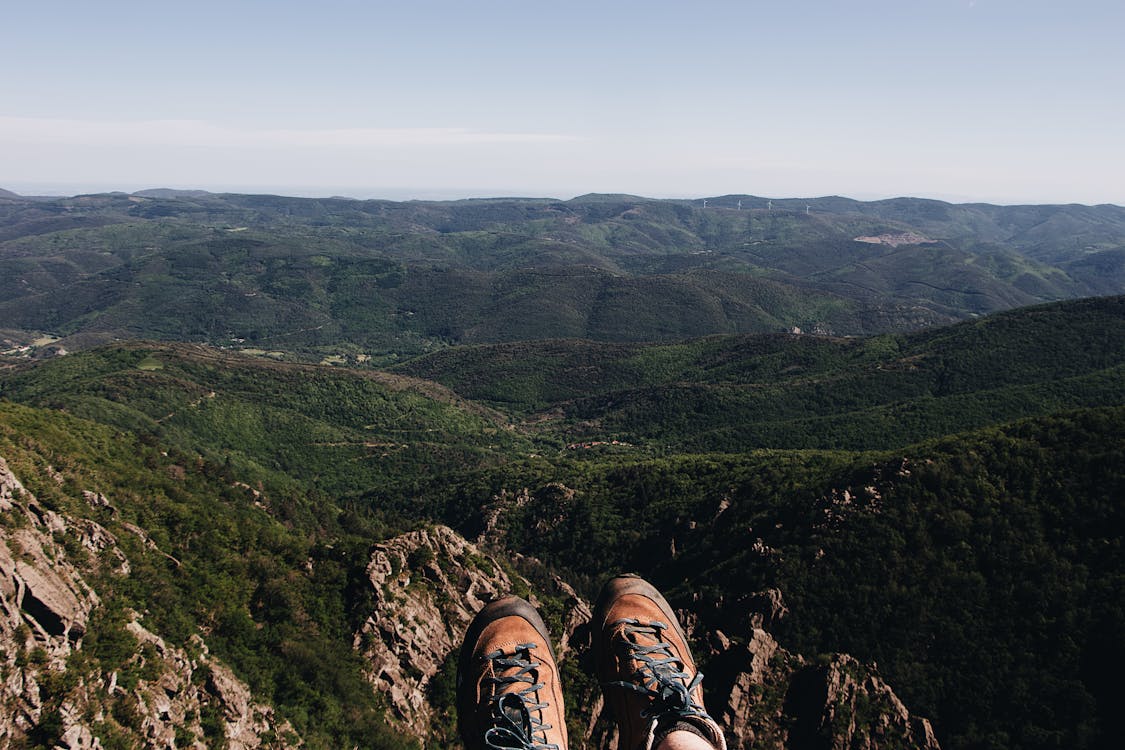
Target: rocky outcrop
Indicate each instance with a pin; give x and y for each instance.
(842, 704)
(428, 584)
(766, 697)
(44, 608)
(196, 699)
(39, 587)
(161, 696)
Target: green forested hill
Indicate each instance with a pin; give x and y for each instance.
(351, 278)
(984, 573)
(718, 393)
(795, 391)
(334, 431)
(947, 503)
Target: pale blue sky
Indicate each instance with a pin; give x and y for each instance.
(1005, 101)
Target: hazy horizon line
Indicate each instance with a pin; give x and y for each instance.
(406, 194)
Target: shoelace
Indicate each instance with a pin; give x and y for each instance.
(518, 714)
(661, 676)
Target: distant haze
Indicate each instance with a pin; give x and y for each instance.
(963, 100)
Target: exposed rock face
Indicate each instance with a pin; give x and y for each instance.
(767, 608)
(11, 490)
(429, 584)
(501, 504)
(766, 697)
(751, 677)
(39, 586)
(44, 607)
(199, 698)
(161, 696)
(828, 701)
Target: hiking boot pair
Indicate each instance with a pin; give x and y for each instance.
(508, 692)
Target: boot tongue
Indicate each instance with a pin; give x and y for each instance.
(512, 708)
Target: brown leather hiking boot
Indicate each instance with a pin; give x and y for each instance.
(646, 668)
(508, 692)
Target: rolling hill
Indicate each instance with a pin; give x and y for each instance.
(361, 278)
(731, 393)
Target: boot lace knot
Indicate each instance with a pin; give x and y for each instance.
(660, 676)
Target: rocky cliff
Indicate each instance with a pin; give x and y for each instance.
(766, 697)
(428, 584)
(74, 675)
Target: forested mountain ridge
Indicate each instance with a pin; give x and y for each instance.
(731, 393)
(360, 278)
(720, 393)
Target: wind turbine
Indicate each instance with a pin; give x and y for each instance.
(705, 203)
(769, 205)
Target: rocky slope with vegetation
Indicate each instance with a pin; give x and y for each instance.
(80, 672)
